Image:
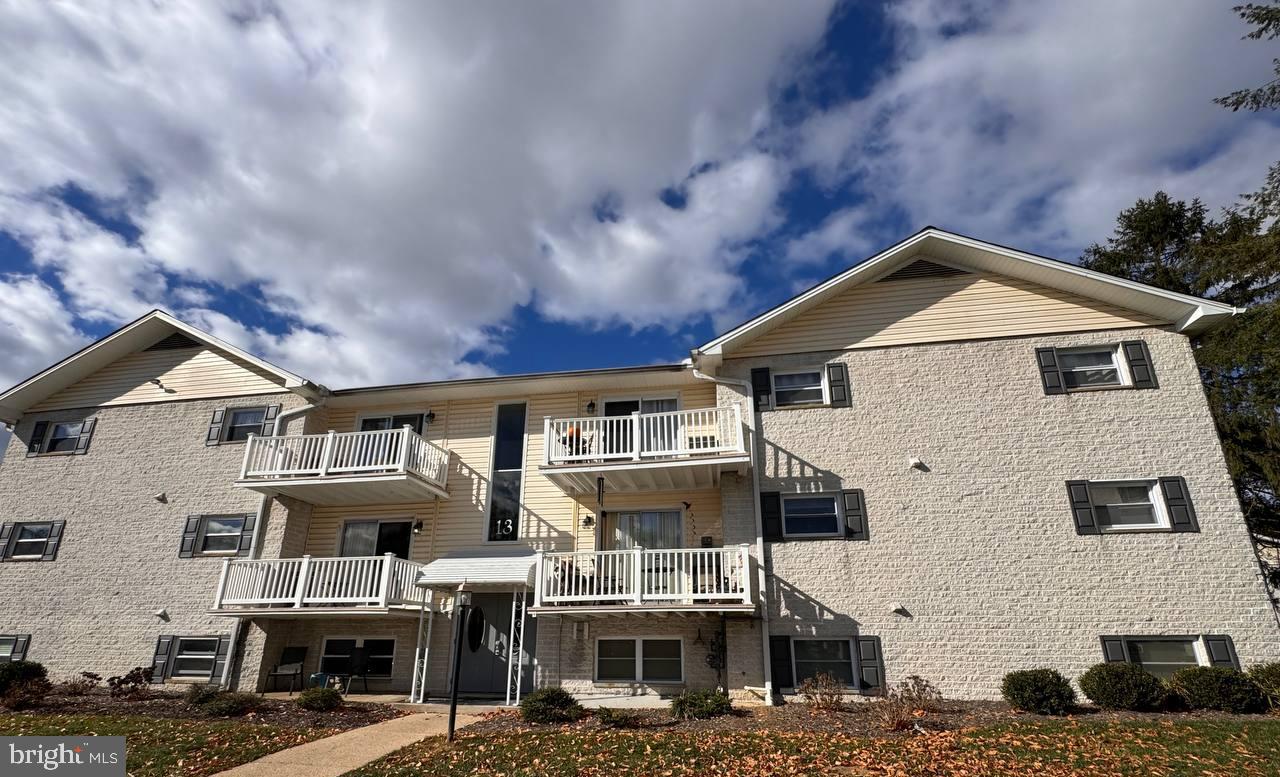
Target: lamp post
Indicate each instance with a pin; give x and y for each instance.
(463, 600)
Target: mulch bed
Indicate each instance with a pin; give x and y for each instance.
(854, 720)
(161, 704)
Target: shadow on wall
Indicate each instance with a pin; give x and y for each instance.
(5, 434)
(536, 530)
(791, 474)
(801, 614)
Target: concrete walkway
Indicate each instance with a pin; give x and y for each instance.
(349, 750)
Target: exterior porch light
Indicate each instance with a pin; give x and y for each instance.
(417, 527)
(429, 417)
(591, 407)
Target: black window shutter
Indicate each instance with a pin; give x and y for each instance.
(86, 433)
(780, 662)
(870, 665)
(215, 427)
(855, 515)
(1047, 358)
(771, 515)
(6, 534)
(246, 535)
(1113, 650)
(1221, 651)
(55, 539)
(1182, 515)
(37, 438)
(220, 658)
(838, 383)
(269, 420)
(1140, 368)
(189, 533)
(20, 646)
(1082, 507)
(160, 662)
(761, 387)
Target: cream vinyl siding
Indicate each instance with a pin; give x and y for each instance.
(922, 310)
(548, 520)
(184, 373)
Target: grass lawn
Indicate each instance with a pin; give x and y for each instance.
(1228, 747)
(164, 747)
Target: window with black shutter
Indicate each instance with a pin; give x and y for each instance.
(217, 535)
(1094, 367)
(13, 647)
(1140, 505)
(61, 437)
(235, 424)
(1162, 655)
(30, 540)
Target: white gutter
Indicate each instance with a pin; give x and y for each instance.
(762, 582)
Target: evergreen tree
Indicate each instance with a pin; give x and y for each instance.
(1265, 20)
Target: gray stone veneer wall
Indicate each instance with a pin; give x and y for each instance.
(93, 608)
(981, 549)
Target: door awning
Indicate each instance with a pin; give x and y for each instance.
(479, 569)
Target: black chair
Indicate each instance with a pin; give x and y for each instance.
(291, 661)
(359, 668)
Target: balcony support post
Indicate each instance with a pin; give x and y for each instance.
(744, 572)
(300, 591)
(637, 573)
(222, 584)
(384, 585)
(635, 435)
(546, 440)
(326, 454)
(404, 447)
(248, 448)
(540, 572)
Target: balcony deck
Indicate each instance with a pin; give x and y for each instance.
(636, 580)
(347, 468)
(293, 587)
(682, 449)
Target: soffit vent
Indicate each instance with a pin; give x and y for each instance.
(922, 268)
(173, 342)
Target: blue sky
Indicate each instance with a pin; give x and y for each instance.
(374, 193)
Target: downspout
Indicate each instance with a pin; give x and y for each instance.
(255, 549)
(762, 582)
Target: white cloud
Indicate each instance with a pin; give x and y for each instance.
(35, 328)
(1035, 123)
(844, 233)
(395, 179)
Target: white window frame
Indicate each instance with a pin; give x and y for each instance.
(48, 437)
(524, 475)
(853, 657)
(821, 369)
(326, 639)
(360, 419)
(178, 655)
(1154, 493)
(342, 531)
(12, 640)
(684, 538)
(835, 497)
(1196, 640)
(1117, 359)
(17, 529)
(204, 532)
(227, 426)
(639, 668)
(604, 399)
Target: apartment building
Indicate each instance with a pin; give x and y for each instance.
(953, 460)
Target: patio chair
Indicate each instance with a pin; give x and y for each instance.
(359, 663)
(291, 660)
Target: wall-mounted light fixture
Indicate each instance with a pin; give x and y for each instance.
(162, 614)
(591, 407)
(588, 521)
(429, 417)
(918, 464)
(417, 527)
(161, 497)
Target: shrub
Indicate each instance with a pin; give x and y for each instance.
(1120, 686)
(231, 705)
(550, 705)
(616, 718)
(1218, 688)
(695, 705)
(199, 695)
(320, 699)
(822, 692)
(80, 686)
(1044, 691)
(17, 673)
(1267, 677)
(25, 693)
(130, 685)
(904, 703)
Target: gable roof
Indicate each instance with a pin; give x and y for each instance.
(146, 331)
(1188, 314)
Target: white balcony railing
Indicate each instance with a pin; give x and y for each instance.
(345, 453)
(644, 436)
(355, 581)
(639, 577)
